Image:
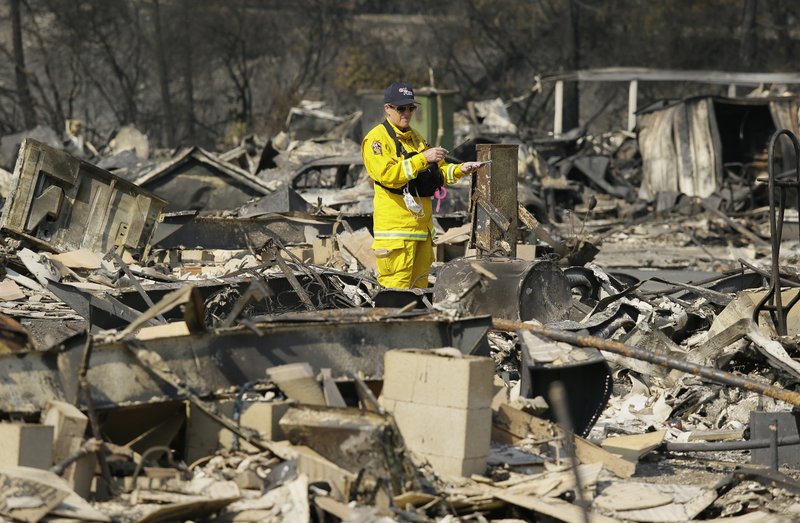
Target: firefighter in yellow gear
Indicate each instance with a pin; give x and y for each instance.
(405, 172)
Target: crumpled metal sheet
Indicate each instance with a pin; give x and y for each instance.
(62, 203)
(505, 288)
(348, 340)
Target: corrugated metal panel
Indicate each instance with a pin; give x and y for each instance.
(702, 179)
(660, 160)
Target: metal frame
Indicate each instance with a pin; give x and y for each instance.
(780, 183)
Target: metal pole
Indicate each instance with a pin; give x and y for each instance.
(633, 91)
(558, 117)
(724, 446)
(558, 396)
(773, 444)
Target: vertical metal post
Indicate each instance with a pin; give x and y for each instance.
(732, 91)
(493, 206)
(558, 118)
(633, 93)
(773, 444)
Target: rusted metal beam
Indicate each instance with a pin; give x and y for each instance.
(494, 200)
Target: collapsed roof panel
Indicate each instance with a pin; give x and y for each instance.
(215, 232)
(61, 203)
(197, 180)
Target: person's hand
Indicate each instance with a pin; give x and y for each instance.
(470, 167)
(434, 154)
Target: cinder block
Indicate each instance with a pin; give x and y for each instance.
(526, 251)
(80, 474)
(204, 436)
(26, 445)
(298, 382)
(443, 431)
(196, 256)
(427, 378)
(263, 416)
(459, 467)
(68, 424)
(306, 254)
(318, 468)
(322, 250)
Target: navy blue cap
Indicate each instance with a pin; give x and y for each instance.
(399, 93)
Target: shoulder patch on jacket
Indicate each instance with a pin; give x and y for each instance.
(376, 148)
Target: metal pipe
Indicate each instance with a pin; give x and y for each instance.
(773, 300)
(633, 91)
(558, 396)
(91, 446)
(94, 423)
(558, 109)
(723, 446)
(773, 444)
(616, 347)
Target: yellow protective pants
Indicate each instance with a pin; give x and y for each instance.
(406, 267)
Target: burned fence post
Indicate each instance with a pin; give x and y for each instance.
(493, 205)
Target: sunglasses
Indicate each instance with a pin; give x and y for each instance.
(404, 108)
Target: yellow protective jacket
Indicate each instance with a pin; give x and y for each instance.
(392, 221)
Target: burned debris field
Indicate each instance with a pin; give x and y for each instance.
(201, 336)
(195, 319)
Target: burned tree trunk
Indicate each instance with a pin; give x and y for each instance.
(572, 47)
(23, 90)
(163, 76)
(188, 70)
(748, 40)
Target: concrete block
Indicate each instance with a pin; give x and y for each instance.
(359, 245)
(298, 382)
(457, 467)
(80, 474)
(305, 254)
(263, 416)
(322, 250)
(26, 445)
(428, 378)
(526, 251)
(318, 468)
(204, 436)
(443, 431)
(68, 424)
